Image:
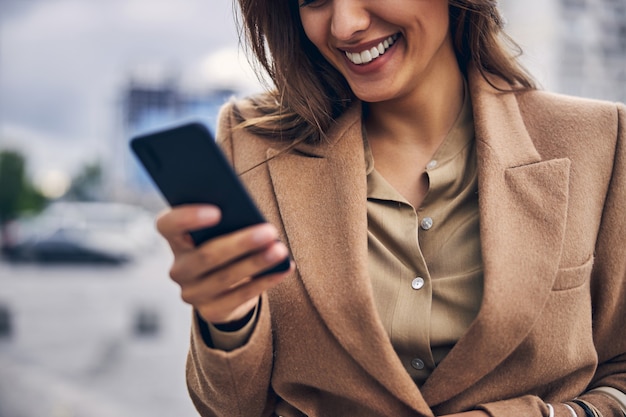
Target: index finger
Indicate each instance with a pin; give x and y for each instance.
(174, 224)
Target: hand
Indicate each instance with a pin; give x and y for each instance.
(473, 413)
(215, 278)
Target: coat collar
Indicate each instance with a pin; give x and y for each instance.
(321, 193)
(327, 184)
(523, 208)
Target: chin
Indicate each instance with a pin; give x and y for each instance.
(374, 98)
(374, 92)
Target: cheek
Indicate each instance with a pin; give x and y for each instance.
(436, 26)
(434, 13)
(442, 16)
(313, 26)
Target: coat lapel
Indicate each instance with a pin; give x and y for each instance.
(329, 247)
(523, 209)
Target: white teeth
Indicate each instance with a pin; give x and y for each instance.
(369, 55)
(366, 57)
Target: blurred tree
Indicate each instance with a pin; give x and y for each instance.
(11, 184)
(31, 199)
(87, 184)
(17, 194)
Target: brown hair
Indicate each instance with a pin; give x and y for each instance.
(310, 94)
(478, 35)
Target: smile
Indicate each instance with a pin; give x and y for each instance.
(367, 56)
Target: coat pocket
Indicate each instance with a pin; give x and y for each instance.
(569, 278)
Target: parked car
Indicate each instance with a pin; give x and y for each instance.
(82, 232)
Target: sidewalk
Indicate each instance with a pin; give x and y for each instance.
(75, 349)
(27, 390)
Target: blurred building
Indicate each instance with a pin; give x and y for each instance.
(147, 105)
(573, 46)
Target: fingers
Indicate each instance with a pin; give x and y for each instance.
(234, 304)
(222, 280)
(174, 224)
(233, 250)
(216, 277)
(229, 293)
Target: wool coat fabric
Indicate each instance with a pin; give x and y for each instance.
(552, 323)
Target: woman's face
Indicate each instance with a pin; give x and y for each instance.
(386, 49)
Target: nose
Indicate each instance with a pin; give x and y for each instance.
(348, 19)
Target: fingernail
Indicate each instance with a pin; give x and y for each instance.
(208, 213)
(263, 234)
(277, 253)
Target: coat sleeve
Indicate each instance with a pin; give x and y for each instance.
(608, 297)
(234, 383)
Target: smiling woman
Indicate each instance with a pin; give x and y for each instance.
(457, 248)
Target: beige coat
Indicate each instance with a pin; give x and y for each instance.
(552, 198)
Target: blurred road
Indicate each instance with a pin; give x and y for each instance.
(78, 345)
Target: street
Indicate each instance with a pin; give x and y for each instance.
(93, 341)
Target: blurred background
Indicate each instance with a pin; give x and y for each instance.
(90, 324)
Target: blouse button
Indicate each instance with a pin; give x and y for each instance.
(426, 223)
(417, 283)
(417, 364)
(432, 164)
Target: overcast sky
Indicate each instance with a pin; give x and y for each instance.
(63, 64)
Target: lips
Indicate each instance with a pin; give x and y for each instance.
(368, 55)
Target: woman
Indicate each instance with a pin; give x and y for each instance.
(457, 238)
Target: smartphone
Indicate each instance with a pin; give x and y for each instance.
(188, 167)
